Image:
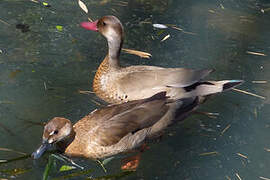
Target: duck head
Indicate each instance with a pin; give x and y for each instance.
(55, 130)
(109, 26)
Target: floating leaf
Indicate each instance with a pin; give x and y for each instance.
(106, 161)
(160, 26)
(83, 6)
(59, 28)
(66, 168)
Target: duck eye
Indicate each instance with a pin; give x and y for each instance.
(55, 132)
(103, 23)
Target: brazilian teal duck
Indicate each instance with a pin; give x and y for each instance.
(115, 128)
(118, 128)
(116, 84)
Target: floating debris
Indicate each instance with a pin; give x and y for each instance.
(23, 27)
(267, 149)
(208, 114)
(107, 160)
(11, 150)
(256, 53)
(259, 82)
(222, 7)
(138, 53)
(209, 153)
(45, 86)
(237, 175)
(66, 159)
(35, 1)
(227, 177)
(248, 93)
(2, 21)
(211, 11)
(264, 178)
(83, 6)
(85, 92)
(225, 129)
(241, 155)
(59, 28)
(165, 38)
(6, 129)
(255, 113)
(160, 26)
(7, 102)
(46, 4)
(102, 165)
(186, 32)
(66, 168)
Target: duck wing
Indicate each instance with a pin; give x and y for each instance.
(150, 80)
(143, 115)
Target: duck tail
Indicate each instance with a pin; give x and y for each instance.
(211, 87)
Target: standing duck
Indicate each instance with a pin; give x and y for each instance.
(116, 84)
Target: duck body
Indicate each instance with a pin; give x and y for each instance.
(115, 128)
(116, 84)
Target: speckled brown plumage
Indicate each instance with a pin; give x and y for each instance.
(115, 128)
(116, 84)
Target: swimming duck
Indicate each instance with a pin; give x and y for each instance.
(116, 128)
(116, 84)
(121, 127)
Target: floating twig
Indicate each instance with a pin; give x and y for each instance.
(237, 175)
(264, 178)
(165, 38)
(225, 129)
(6, 129)
(248, 93)
(227, 177)
(35, 1)
(85, 92)
(45, 86)
(102, 165)
(209, 153)
(138, 53)
(4, 22)
(243, 156)
(208, 114)
(186, 32)
(66, 159)
(259, 82)
(11, 150)
(256, 53)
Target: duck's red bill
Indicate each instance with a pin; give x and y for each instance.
(89, 25)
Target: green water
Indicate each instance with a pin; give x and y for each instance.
(42, 69)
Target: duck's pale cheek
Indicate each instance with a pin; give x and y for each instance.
(50, 141)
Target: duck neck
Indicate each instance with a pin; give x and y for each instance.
(115, 46)
(62, 145)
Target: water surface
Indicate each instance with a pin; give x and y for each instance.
(42, 70)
